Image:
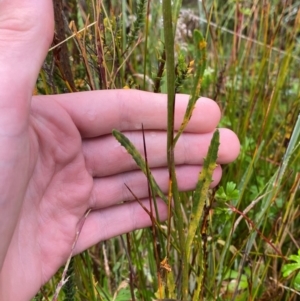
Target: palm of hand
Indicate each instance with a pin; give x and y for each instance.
(57, 195)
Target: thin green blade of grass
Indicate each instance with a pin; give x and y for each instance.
(176, 9)
(200, 65)
(199, 199)
(291, 148)
(173, 187)
(244, 182)
(200, 194)
(170, 63)
(126, 143)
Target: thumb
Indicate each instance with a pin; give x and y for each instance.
(26, 31)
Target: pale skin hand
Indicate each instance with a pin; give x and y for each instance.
(58, 158)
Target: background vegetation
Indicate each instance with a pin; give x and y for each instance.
(246, 245)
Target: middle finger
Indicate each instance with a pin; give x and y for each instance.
(190, 150)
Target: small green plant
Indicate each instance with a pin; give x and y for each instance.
(293, 269)
(230, 192)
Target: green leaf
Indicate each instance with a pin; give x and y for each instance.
(229, 193)
(296, 282)
(200, 65)
(124, 141)
(289, 268)
(221, 194)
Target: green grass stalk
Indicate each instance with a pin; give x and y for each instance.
(173, 190)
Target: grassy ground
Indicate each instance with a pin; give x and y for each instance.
(246, 247)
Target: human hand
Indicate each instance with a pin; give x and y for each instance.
(58, 157)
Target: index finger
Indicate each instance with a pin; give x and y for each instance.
(96, 113)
